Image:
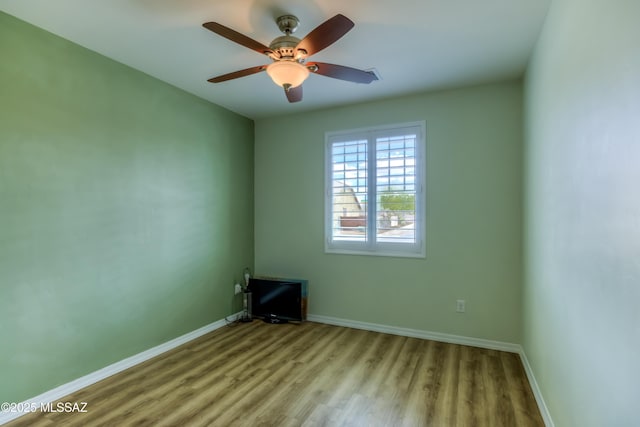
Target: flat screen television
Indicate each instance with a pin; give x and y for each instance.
(278, 301)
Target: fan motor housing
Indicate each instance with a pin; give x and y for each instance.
(284, 46)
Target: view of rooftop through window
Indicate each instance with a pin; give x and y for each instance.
(394, 189)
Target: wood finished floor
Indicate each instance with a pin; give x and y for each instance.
(308, 374)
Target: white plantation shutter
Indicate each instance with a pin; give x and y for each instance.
(349, 183)
(375, 191)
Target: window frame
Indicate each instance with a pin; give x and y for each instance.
(373, 247)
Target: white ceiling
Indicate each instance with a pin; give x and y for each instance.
(416, 45)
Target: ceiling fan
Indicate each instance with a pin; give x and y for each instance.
(289, 54)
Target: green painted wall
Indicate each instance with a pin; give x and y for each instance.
(126, 211)
(582, 250)
(474, 215)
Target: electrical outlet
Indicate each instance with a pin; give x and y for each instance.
(237, 288)
(460, 306)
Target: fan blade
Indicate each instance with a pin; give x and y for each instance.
(341, 72)
(294, 94)
(235, 36)
(325, 34)
(236, 74)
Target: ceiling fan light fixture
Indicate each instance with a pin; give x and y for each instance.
(289, 73)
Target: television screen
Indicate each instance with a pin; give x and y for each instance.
(275, 299)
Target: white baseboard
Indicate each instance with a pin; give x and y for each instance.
(448, 338)
(544, 411)
(92, 378)
(417, 333)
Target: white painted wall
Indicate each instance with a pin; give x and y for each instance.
(582, 227)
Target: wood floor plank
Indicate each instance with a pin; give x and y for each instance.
(525, 409)
(308, 374)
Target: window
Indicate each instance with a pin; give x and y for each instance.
(375, 191)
